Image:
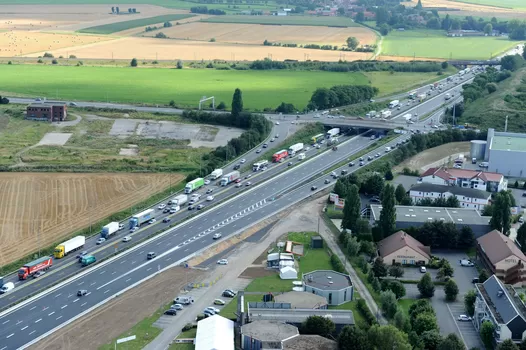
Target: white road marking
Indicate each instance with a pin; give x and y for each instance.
(159, 243)
(106, 291)
(84, 304)
(142, 251)
(5, 322)
(10, 335)
(187, 249)
(58, 318)
(44, 309)
(81, 283)
(93, 283)
(24, 328)
(65, 306)
(51, 313)
(102, 272)
(114, 272)
(56, 296)
(128, 279)
(148, 269)
(5, 347)
(38, 320)
(32, 308)
(133, 262)
(122, 262)
(168, 259)
(76, 300)
(32, 332)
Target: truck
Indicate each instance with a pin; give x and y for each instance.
(69, 246)
(259, 165)
(34, 266)
(421, 97)
(109, 229)
(317, 138)
(194, 185)
(87, 260)
(141, 218)
(178, 200)
(460, 159)
(230, 177)
(407, 116)
(301, 156)
(295, 148)
(216, 174)
(371, 114)
(278, 156)
(387, 149)
(412, 95)
(386, 114)
(333, 132)
(332, 141)
(394, 103)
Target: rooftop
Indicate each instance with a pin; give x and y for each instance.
(463, 216)
(448, 174)
(344, 317)
(311, 342)
(498, 247)
(301, 300)
(508, 143)
(327, 280)
(399, 240)
(456, 190)
(47, 104)
(502, 299)
(269, 331)
(215, 332)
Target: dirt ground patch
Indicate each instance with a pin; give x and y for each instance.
(256, 272)
(121, 313)
(434, 156)
(402, 58)
(256, 34)
(168, 49)
(58, 204)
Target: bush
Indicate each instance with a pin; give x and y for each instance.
(133, 62)
(365, 312)
(161, 35)
(40, 61)
(213, 40)
(337, 264)
(179, 64)
(187, 327)
(72, 56)
(221, 105)
(54, 61)
(9, 62)
(48, 55)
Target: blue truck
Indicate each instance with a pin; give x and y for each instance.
(141, 218)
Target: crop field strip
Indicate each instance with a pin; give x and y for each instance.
(286, 20)
(142, 22)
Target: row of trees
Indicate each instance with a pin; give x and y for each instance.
(166, 24)
(340, 95)
(116, 10)
(205, 10)
(484, 84)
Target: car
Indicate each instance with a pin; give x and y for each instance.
(133, 229)
(219, 302)
(207, 182)
(521, 220)
(238, 181)
(362, 163)
(327, 181)
(200, 206)
(475, 280)
(208, 313)
(231, 291)
(333, 173)
(264, 168)
(289, 164)
(82, 293)
(38, 274)
(213, 309)
(313, 188)
(344, 172)
(191, 207)
(277, 123)
(351, 164)
(165, 220)
(79, 256)
(152, 221)
(370, 158)
(176, 307)
(248, 183)
(238, 185)
(361, 159)
(150, 255)
(277, 135)
(216, 236)
(73, 104)
(222, 262)
(228, 294)
(265, 145)
(192, 202)
(161, 206)
(457, 166)
(171, 312)
(121, 226)
(423, 269)
(237, 166)
(272, 140)
(464, 318)
(126, 238)
(307, 149)
(243, 161)
(248, 176)
(210, 198)
(166, 210)
(377, 155)
(100, 240)
(210, 190)
(172, 211)
(318, 146)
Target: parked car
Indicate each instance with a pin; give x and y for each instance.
(219, 302)
(231, 291)
(213, 309)
(228, 294)
(208, 313)
(171, 312)
(423, 269)
(464, 318)
(216, 236)
(222, 262)
(100, 240)
(82, 292)
(177, 307)
(126, 238)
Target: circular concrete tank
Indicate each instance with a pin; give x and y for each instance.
(478, 149)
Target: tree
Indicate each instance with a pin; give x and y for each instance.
(343, 238)
(511, 62)
(384, 29)
(425, 322)
(286, 108)
(396, 271)
(387, 338)
(451, 342)
(221, 105)
(466, 238)
(353, 338)
(360, 17)
(445, 271)
(446, 23)
(401, 321)
(351, 209)
(237, 104)
(368, 247)
(431, 339)
(397, 288)
(374, 185)
(522, 346)
(353, 246)
(451, 290)
(486, 334)
(483, 276)
(388, 303)
(387, 222)
(508, 344)
(318, 325)
(400, 193)
(179, 64)
(113, 10)
(501, 218)
(426, 286)
(379, 267)
(117, 10)
(352, 43)
(521, 236)
(389, 175)
(469, 302)
(376, 284)
(455, 24)
(491, 87)
(133, 62)
(488, 29)
(419, 5)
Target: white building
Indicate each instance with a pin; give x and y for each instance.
(506, 153)
(467, 197)
(479, 180)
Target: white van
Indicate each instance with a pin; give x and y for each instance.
(301, 156)
(184, 300)
(7, 287)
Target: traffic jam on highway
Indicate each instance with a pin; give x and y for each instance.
(242, 204)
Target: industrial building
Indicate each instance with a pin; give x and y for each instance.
(336, 287)
(47, 111)
(506, 153)
(266, 335)
(302, 300)
(215, 332)
(401, 248)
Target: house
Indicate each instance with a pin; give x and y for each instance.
(467, 197)
(501, 305)
(502, 257)
(479, 180)
(45, 111)
(401, 248)
(336, 287)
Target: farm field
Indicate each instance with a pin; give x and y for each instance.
(513, 4)
(484, 7)
(56, 204)
(286, 20)
(256, 34)
(434, 44)
(134, 23)
(389, 83)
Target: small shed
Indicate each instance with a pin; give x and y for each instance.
(316, 242)
(288, 273)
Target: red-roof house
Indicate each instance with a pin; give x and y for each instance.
(480, 180)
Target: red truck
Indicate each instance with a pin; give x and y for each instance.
(34, 266)
(278, 156)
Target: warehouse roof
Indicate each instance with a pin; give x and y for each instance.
(311, 342)
(301, 300)
(215, 332)
(269, 331)
(345, 317)
(461, 216)
(508, 143)
(327, 280)
(456, 190)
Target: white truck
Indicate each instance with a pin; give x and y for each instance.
(230, 177)
(178, 200)
(371, 114)
(394, 103)
(69, 246)
(407, 116)
(421, 97)
(301, 156)
(216, 174)
(295, 148)
(109, 229)
(387, 149)
(139, 219)
(386, 114)
(333, 132)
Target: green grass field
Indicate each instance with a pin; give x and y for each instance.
(434, 44)
(260, 89)
(142, 22)
(514, 4)
(285, 20)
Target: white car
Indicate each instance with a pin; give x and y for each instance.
(177, 307)
(248, 183)
(216, 236)
(259, 150)
(126, 238)
(243, 161)
(423, 269)
(277, 123)
(222, 262)
(210, 198)
(101, 240)
(161, 206)
(464, 318)
(207, 182)
(133, 229)
(152, 221)
(307, 149)
(121, 226)
(213, 309)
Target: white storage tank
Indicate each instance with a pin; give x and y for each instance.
(478, 149)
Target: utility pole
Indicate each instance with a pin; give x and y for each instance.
(506, 125)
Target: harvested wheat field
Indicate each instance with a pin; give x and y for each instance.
(19, 43)
(167, 49)
(257, 33)
(482, 10)
(58, 204)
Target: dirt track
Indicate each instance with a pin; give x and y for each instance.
(425, 160)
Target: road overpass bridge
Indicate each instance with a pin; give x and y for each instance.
(362, 123)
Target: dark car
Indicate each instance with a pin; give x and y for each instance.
(344, 172)
(370, 158)
(228, 294)
(82, 254)
(351, 164)
(289, 164)
(362, 163)
(313, 188)
(237, 166)
(265, 145)
(361, 159)
(170, 312)
(327, 181)
(167, 210)
(167, 220)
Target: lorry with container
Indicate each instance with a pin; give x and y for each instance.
(317, 138)
(109, 229)
(386, 114)
(259, 165)
(29, 269)
(139, 219)
(333, 132)
(295, 148)
(412, 95)
(178, 200)
(87, 260)
(301, 156)
(194, 185)
(394, 103)
(278, 156)
(407, 117)
(216, 174)
(421, 97)
(371, 114)
(69, 246)
(230, 177)
(332, 141)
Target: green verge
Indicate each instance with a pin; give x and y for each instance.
(142, 22)
(286, 20)
(509, 4)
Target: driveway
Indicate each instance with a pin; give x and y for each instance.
(463, 274)
(413, 273)
(466, 329)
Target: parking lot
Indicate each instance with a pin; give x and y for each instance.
(466, 328)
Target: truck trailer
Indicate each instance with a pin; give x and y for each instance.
(109, 229)
(421, 97)
(69, 246)
(34, 266)
(407, 116)
(386, 114)
(141, 218)
(295, 148)
(230, 177)
(216, 174)
(178, 200)
(259, 165)
(278, 156)
(394, 103)
(331, 133)
(194, 185)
